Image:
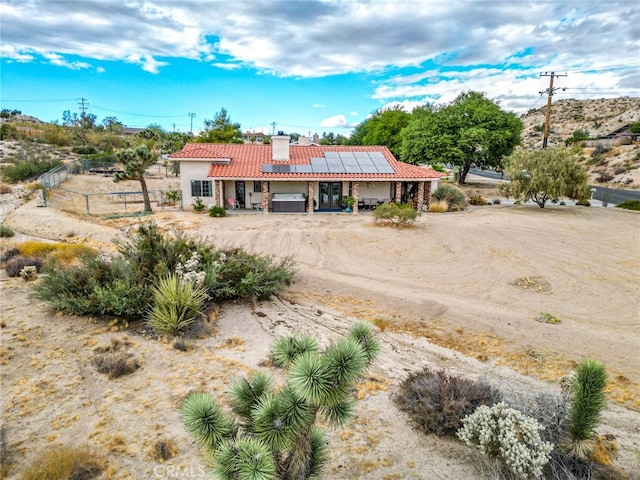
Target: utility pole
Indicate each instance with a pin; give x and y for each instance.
(83, 106)
(191, 115)
(547, 115)
(273, 128)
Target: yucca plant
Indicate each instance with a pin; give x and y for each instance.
(587, 401)
(176, 305)
(278, 438)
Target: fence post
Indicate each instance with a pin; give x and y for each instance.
(86, 201)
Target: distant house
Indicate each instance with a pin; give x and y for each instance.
(129, 131)
(305, 177)
(253, 137)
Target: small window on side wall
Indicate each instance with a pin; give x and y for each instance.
(257, 187)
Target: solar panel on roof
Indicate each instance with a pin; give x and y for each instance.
(266, 168)
(385, 168)
(362, 155)
(347, 155)
(319, 165)
(352, 168)
(303, 169)
(375, 155)
(331, 154)
(335, 166)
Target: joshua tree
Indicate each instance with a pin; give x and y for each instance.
(587, 401)
(135, 163)
(276, 436)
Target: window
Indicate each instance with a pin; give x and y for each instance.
(257, 187)
(201, 188)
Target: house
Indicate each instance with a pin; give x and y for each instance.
(253, 137)
(282, 177)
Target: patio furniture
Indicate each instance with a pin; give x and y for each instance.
(233, 203)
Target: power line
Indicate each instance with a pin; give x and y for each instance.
(547, 115)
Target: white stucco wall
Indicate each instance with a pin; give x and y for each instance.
(193, 170)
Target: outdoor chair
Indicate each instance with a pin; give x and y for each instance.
(233, 204)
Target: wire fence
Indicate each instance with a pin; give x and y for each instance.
(111, 203)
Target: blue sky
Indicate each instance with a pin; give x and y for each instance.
(311, 66)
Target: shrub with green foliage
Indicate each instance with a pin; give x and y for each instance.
(396, 214)
(30, 170)
(122, 285)
(176, 305)
(455, 198)
(629, 205)
(237, 273)
(277, 436)
(6, 231)
(437, 402)
(198, 205)
(509, 437)
(477, 200)
(217, 211)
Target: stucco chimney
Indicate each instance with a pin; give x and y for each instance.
(280, 147)
(302, 140)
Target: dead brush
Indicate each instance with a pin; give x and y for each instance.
(114, 360)
(163, 450)
(65, 463)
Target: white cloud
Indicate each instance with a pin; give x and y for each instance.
(100, 70)
(148, 63)
(318, 105)
(59, 61)
(337, 121)
(10, 52)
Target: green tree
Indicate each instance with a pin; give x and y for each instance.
(471, 132)
(135, 162)
(544, 175)
(220, 129)
(578, 136)
(384, 127)
(112, 124)
(277, 436)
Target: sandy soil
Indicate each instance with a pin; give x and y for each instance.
(460, 291)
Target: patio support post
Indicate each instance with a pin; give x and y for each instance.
(355, 197)
(265, 197)
(427, 193)
(310, 198)
(217, 192)
(398, 192)
(420, 202)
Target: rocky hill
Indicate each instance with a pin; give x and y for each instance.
(598, 117)
(606, 163)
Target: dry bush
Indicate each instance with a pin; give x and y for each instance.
(437, 402)
(4, 188)
(14, 265)
(163, 450)
(65, 463)
(439, 206)
(64, 252)
(114, 360)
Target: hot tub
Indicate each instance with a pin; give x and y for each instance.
(288, 202)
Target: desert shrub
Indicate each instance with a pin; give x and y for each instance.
(619, 170)
(437, 402)
(477, 200)
(630, 205)
(115, 364)
(97, 286)
(28, 273)
(509, 437)
(65, 463)
(25, 170)
(587, 401)
(180, 344)
(455, 198)
(63, 252)
(163, 450)
(438, 206)
(396, 214)
(176, 305)
(6, 231)
(217, 211)
(237, 273)
(583, 203)
(497, 201)
(9, 253)
(198, 205)
(604, 177)
(16, 264)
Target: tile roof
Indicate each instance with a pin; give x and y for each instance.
(247, 160)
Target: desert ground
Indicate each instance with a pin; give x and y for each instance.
(459, 291)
